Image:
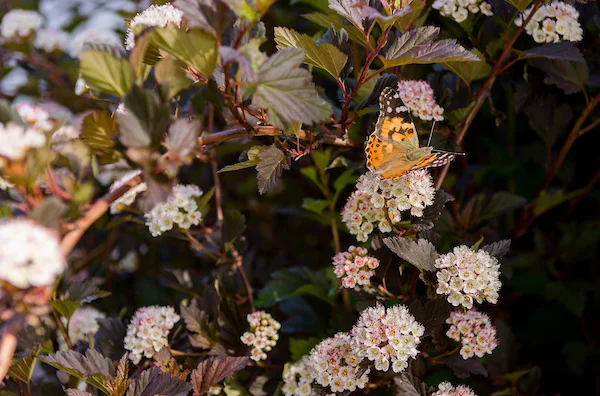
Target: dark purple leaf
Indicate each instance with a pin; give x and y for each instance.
(215, 369)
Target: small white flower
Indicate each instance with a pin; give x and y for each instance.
(262, 335)
(446, 389)
(19, 23)
(17, 141)
(82, 326)
(552, 23)
(418, 97)
(160, 16)
(129, 197)
(459, 9)
(387, 336)
(148, 331)
(51, 40)
(29, 254)
(179, 210)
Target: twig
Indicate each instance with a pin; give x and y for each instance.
(240, 267)
(62, 328)
(7, 350)
(199, 245)
(215, 168)
(80, 226)
(239, 131)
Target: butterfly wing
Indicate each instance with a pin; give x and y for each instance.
(395, 124)
(387, 160)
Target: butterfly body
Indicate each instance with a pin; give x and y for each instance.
(393, 148)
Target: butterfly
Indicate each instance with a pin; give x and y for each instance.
(393, 148)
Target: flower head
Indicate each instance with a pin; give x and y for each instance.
(355, 267)
(82, 326)
(459, 10)
(381, 203)
(474, 331)
(446, 389)
(51, 40)
(262, 335)
(387, 337)
(417, 96)
(29, 254)
(552, 23)
(180, 209)
(148, 331)
(18, 140)
(464, 275)
(35, 116)
(334, 363)
(17, 24)
(298, 378)
(129, 197)
(154, 15)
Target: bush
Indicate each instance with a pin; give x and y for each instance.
(421, 220)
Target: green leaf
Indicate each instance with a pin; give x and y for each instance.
(420, 253)
(154, 382)
(234, 225)
(384, 81)
(215, 369)
(327, 20)
(98, 130)
(234, 388)
(521, 5)
(300, 347)
(470, 71)
(194, 47)
(250, 10)
(84, 292)
(146, 120)
(548, 200)
(143, 47)
(93, 368)
(240, 165)
(272, 163)
(8, 113)
(419, 47)
(65, 308)
(315, 205)
(287, 92)
(347, 178)
(172, 72)
(405, 21)
(500, 203)
(285, 283)
(23, 368)
(325, 56)
(106, 68)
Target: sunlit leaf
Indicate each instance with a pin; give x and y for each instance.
(470, 71)
(420, 253)
(327, 20)
(153, 382)
(172, 72)
(215, 369)
(93, 368)
(419, 47)
(521, 5)
(349, 10)
(99, 129)
(325, 56)
(106, 68)
(287, 91)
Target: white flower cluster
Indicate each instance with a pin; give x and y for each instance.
(459, 9)
(446, 389)
(129, 197)
(17, 24)
(366, 207)
(297, 378)
(82, 326)
(552, 23)
(181, 209)
(387, 336)
(92, 36)
(35, 116)
(262, 336)
(355, 267)
(17, 140)
(334, 364)
(418, 98)
(148, 331)
(50, 40)
(160, 16)
(464, 275)
(29, 254)
(474, 331)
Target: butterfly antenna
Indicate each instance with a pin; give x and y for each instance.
(430, 134)
(447, 152)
